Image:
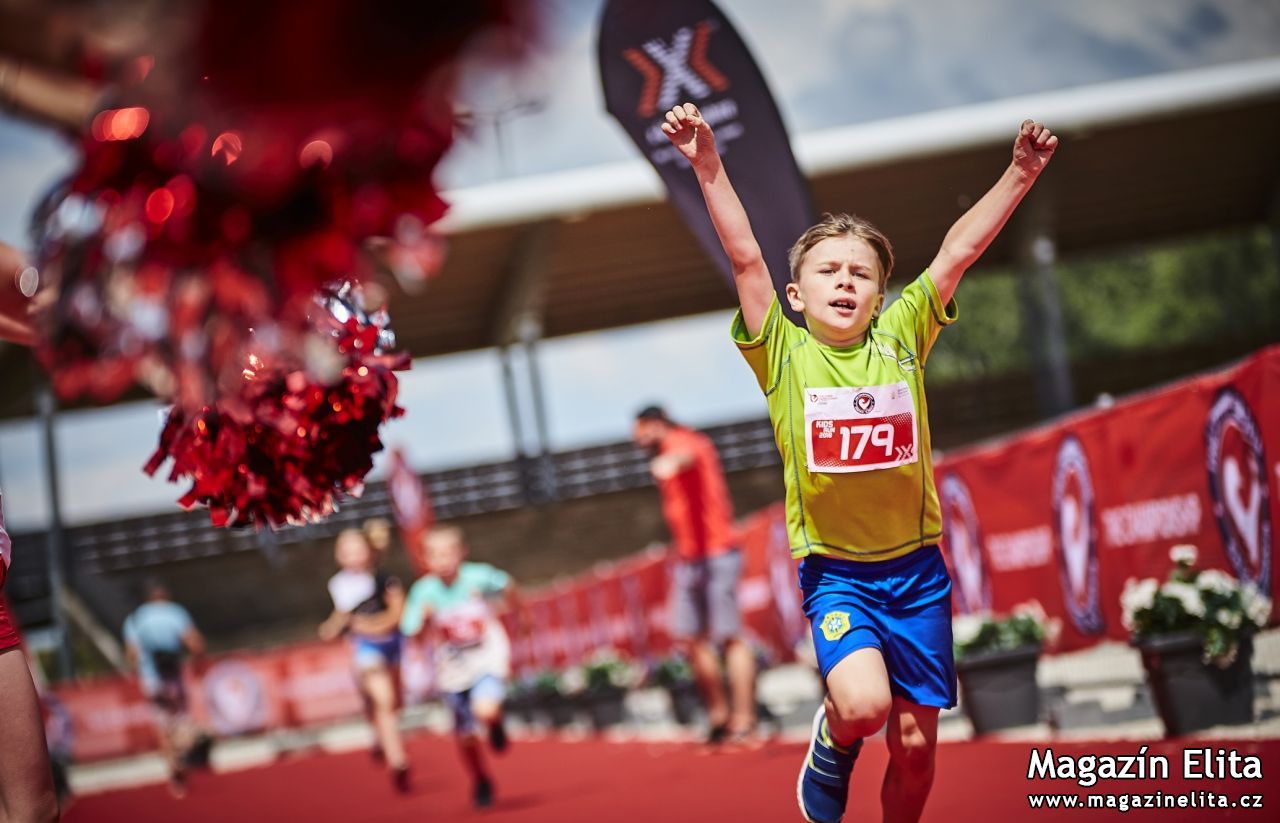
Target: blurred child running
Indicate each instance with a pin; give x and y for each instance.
(473, 653)
(367, 606)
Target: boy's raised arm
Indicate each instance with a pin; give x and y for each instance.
(689, 133)
(974, 231)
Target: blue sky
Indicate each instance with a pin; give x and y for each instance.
(829, 62)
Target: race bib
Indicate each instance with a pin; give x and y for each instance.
(464, 625)
(859, 429)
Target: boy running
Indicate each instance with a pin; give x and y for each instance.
(473, 653)
(847, 403)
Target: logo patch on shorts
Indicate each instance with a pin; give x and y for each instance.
(834, 625)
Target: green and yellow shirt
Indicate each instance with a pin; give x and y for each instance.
(852, 426)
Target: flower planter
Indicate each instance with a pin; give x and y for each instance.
(998, 689)
(605, 705)
(685, 703)
(1190, 694)
(519, 707)
(558, 710)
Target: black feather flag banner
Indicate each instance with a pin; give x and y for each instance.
(656, 54)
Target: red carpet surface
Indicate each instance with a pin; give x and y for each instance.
(670, 783)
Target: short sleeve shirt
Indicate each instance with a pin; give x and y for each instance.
(157, 626)
(852, 427)
(361, 592)
(695, 501)
(471, 642)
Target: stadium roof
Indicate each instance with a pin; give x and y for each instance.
(593, 248)
(1144, 159)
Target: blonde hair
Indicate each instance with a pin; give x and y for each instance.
(444, 530)
(377, 531)
(841, 225)
(351, 532)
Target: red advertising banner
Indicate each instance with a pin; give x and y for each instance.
(229, 694)
(1063, 514)
(1067, 513)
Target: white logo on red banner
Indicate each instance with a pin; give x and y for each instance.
(962, 538)
(1238, 487)
(860, 429)
(1076, 533)
(235, 697)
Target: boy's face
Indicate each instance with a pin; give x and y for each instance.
(352, 552)
(444, 553)
(838, 290)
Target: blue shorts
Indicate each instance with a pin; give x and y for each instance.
(376, 652)
(489, 687)
(901, 607)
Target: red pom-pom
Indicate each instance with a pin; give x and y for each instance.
(241, 173)
(294, 436)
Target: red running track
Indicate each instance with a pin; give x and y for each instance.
(567, 782)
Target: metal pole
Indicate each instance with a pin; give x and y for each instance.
(1043, 326)
(530, 332)
(513, 416)
(513, 399)
(47, 408)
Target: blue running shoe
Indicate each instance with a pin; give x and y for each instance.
(823, 787)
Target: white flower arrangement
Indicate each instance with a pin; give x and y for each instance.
(1210, 603)
(1184, 554)
(573, 681)
(1187, 595)
(1026, 624)
(965, 628)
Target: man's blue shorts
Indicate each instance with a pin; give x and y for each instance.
(901, 607)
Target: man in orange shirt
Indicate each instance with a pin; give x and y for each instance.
(704, 599)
